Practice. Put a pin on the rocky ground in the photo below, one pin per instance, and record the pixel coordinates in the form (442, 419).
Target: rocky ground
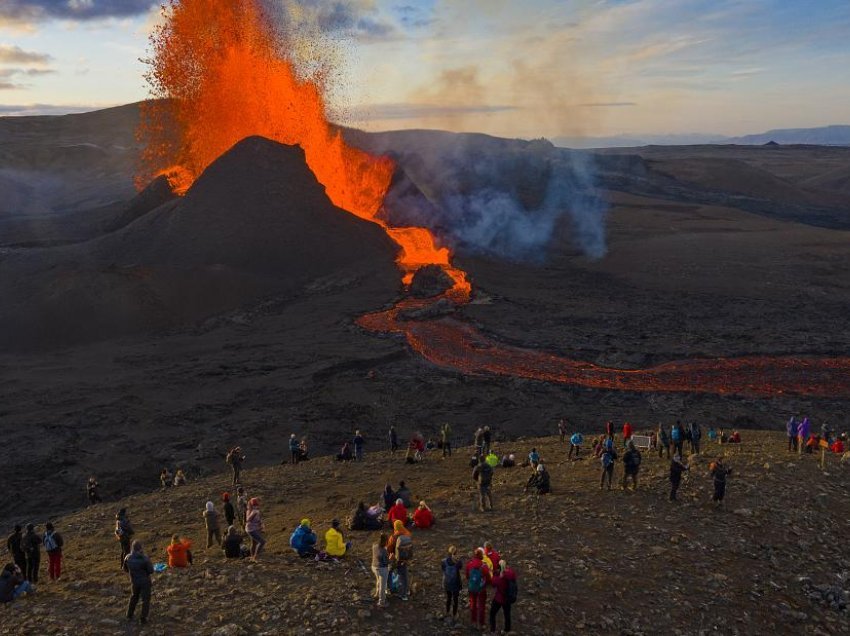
(774, 559)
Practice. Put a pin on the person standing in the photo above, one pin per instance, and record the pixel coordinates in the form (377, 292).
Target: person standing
(719, 473)
(627, 432)
(32, 549)
(483, 475)
(229, 511)
(446, 439)
(451, 567)
(562, 429)
(15, 546)
(254, 528)
(53, 543)
(576, 440)
(93, 491)
(609, 429)
(139, 568)
(293, 449)
(791, 432)
(609, 456)
(211, 524)
(505, 584)
(803, 430)
(677, 468)
(663, 442)
(631, 464)
(124, 533)
(677, 434)
(488, 440)
(381, 570)
(393, 440)
(477, 578)
(241, 504)
(358, 442)
(235, 459)
(696, 435)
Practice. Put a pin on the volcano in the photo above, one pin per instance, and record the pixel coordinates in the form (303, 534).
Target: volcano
(255, 224)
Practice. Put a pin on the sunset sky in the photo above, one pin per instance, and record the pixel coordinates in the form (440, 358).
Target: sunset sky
(525, 68)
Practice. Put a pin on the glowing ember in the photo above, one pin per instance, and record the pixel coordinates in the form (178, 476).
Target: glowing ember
(222, 74)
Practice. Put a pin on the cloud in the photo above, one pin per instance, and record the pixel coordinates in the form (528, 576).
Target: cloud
(11, 54)
(607, 104)
(19, 110)
(39, 10)
(361, 19)
(379, 112)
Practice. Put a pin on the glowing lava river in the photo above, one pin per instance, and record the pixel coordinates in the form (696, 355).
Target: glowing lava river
(222, 71)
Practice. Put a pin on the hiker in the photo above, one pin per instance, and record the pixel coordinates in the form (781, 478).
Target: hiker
(504, 582)
(293, 449)
(483, 475)
(180, 478)
(393, 440)
(13, 584)
(477, 578)
(803, 430)
(509, 461)
(488, 440)
(609, 429)
(562, 429)
(791, 432)
(335, 544)
(211, 524)
(93, 491)
(303, 451)
(735, 438)
(139, 568)
(398, 512)
(345, 455)
(179, 552)
(32, 550)
(254, 528)
(533, 458)
(491, 554)
(232, 544)
(15, 546)
(677, 435)
(837, 446)
(479, 441)
(598, 447)
(451, 567)
(631, 464)
(53, 543)
(663, 442)
(235, 458)
(360, 519)
(165, 479)
(423, 517)
(123, 533)
(358, 442)
(388, 496)
(303, 540)
(404, 494)
(721, 438)
(677, 468)
(696, 435)
(492, 459)
(826, 432)
(241, 504)
(609, 456)
(446, 439)
(381, 570)
(712, 435)
(627, 433)
(400, 549)
(539, 481)
(576, 440)
(415, 449)
(719, 472)
(229, 510)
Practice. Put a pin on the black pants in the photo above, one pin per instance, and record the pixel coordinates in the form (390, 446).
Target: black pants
(678, 447)
(236, 471)
(792, 443)
(662, 448)
(575, 448)
(125, 549)
(451, 602)
(213, 533)
(447, 449)
(33, 561)
(20, 560)
(719, 491)
(608, 472)
(143, 590)
(674, 487)
(494, 610)
(695, 446)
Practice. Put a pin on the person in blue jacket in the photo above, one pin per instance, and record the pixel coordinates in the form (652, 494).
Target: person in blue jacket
(303, 539)
(575, 444)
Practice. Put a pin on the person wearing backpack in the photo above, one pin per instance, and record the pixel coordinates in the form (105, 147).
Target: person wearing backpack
(477, 578)
(677, 434)
(696, 436)
(483, 474)
(609, 456)
(123, 533)
(631, 464)
(235, 459)
(211, 525)
(32, 548)
(504, 582)
(53, 546)
(381, 569)
(576, 440)
(451, 567)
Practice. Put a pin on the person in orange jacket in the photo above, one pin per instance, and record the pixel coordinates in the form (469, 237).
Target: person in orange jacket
(397, 513)
(627, 432)
(179, 552)
(422, 516)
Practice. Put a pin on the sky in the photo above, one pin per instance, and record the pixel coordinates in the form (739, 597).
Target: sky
(517, 68)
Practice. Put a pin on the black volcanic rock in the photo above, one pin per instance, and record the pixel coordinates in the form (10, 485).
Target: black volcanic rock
(430, 281)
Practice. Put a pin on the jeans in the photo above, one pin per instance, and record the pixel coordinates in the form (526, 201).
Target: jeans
(23, 588)
(451, 602)
(477, 606)
(143, 590)
(401, 568)
(33, 561)
(447, 449)
(257, 543)
(494, 610)
(125, 548)
(381, 575)
(485, 496)
(607, 472)
(54, 564)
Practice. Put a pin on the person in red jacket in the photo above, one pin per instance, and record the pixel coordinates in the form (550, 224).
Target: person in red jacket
(837, 446)
(397, 513)
(505, 584)
(491, 553)
(477, 579)
(627, 432)
(422, 516)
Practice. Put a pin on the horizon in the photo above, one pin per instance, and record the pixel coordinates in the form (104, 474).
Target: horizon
(636, 68)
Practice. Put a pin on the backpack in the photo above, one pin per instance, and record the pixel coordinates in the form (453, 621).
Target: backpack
(394, 583)
(229, 458)
(511, 592)
(476, 580)
(608, 458)
(450, 574)
(404, 548)
(50, 542)
(676, 434)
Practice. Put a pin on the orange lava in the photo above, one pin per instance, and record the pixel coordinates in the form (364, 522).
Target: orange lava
(221, 73)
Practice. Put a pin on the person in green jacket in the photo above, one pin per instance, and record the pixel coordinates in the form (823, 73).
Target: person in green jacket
(446, 439)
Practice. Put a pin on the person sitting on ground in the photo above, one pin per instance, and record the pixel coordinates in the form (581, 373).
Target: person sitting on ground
(211, 525)
(12, 584)
(712, 434)
(229, 510)
(360, 519)
(430, 445)
(539, 481)
(735, 438)
(492, 459)
(398, 512)
(509, 461)
(179, 478)
(179, 552)
(404, 494)
(576, 440)
(232, 544)
(423, 517)
(335, 544)
(837, 446)
(388, 496)
(165, 479)
(533, 458)
(722, 437)
(345, 455)
(303, 540)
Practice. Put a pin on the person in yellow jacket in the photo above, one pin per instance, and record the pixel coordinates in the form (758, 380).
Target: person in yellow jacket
(335, 544)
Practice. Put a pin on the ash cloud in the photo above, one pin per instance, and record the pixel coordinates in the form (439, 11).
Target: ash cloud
(37, 10)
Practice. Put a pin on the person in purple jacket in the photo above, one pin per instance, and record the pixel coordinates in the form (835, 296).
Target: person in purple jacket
(803, 430)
